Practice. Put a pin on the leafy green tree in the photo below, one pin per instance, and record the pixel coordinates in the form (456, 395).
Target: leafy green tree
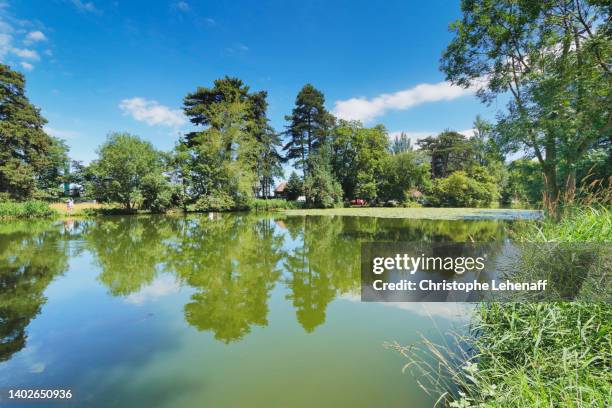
(593, 169)
(486, 149)
(308, 128)
(123, 162)
(449, 151)
(179, 169)
(357, 158)
(30, 159)
(461, 190)
(401, 144)
(223, 156)
(403, 172)
(204, 106)
(553, 58)
(320, 187)
(156, 193)
(295, 187)
(525, 182)
(269, 163)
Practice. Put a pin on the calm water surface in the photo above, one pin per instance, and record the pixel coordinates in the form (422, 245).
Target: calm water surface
(238, 310)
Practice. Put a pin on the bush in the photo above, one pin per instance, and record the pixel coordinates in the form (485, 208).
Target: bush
(460, 190)
(322, 190)
(295, 187)
(274, 204)
(156, 193)
(217, 201)
(26, 209)
(525, 183)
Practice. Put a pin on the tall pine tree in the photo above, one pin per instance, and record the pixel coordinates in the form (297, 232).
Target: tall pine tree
(228, 152)
(30, 159)
(309, 125)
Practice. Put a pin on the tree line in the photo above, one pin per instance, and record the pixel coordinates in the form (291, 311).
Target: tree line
(552, 58)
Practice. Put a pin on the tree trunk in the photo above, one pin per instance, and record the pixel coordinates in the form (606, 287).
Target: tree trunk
(551, 190)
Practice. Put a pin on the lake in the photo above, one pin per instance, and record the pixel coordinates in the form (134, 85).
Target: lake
(227, 310)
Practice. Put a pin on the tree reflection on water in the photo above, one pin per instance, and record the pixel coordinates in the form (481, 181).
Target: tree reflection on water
(232, 262)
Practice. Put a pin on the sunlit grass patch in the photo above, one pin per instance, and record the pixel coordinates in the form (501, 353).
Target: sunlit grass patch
(26, 209)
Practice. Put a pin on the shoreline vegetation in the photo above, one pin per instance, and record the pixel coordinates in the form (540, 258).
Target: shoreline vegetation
(40, 209)
(528, 353)
(426, 213)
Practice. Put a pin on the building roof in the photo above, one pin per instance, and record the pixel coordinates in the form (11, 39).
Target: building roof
(281, 187)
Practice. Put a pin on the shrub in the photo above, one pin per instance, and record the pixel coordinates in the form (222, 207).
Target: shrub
(274, 204)
(460, 190)
(156, 193)
(26, 209)
(322, 190)
(525, 182)
(217, 201)
(295, 187)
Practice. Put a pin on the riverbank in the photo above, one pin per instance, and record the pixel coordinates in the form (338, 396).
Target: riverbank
(39, 209)
(425, 213)
(26, 209)
(529, 354)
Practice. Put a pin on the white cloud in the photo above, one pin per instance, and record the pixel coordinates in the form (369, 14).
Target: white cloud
(162, 286)
(183, 6)
(62, 134)
(151, 112)
(5, 27)
(27, 66)
(26, 53)
(5, 44)
(365, 110)
(237, 48)
(467, 132)
(210, 21)
(450, 311)
(87, 6)
(35, 36)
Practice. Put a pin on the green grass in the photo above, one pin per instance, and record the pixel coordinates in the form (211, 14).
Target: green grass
(577, 224)
(26, 209)
(528, 354)
(422, 213)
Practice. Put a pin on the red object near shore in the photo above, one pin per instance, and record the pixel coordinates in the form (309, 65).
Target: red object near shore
(358, 201)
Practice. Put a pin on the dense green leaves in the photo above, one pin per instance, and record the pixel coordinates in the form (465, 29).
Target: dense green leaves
(30, 160)
(357, 159)
(295, 187)
(461, 190)
(308, 128)
(553, 57)
(320, 187)
(449, 151)
(124, 162)
(222, 163)
(404, 175)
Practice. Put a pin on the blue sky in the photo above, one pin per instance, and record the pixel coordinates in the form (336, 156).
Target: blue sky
(98, 66)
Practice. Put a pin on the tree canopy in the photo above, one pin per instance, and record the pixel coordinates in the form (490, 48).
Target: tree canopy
(31, 161)
(124, 162)
(308, 127)
(553, 58)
